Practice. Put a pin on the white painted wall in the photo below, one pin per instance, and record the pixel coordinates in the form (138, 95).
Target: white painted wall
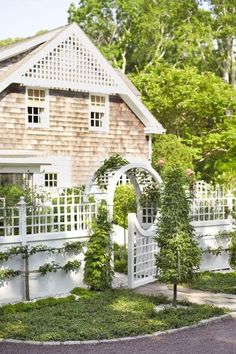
(51, 284)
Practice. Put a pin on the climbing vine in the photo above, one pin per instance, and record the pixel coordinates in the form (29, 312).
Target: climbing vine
(112, 163)
(98, 273)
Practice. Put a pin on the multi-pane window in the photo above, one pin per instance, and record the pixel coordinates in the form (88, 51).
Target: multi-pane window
(50, 180)
(37, 108)
(18, 179)
(98, 115)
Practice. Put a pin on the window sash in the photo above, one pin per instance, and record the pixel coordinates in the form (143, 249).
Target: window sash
(37, 107)
(98, 112)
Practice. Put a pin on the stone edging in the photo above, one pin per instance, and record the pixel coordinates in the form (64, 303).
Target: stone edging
(156, 334)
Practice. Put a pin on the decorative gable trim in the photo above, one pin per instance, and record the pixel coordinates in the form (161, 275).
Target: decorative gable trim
(71, 61)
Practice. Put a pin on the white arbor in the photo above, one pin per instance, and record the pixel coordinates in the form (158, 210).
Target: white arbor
(141, 244)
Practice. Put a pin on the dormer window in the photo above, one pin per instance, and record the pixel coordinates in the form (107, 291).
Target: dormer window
(37, 114)
(98, 113)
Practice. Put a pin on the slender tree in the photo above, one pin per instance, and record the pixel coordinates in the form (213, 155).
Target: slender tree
(179, 255)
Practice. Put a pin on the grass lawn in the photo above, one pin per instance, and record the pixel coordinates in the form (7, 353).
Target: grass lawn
(215, 282)
(108, 314)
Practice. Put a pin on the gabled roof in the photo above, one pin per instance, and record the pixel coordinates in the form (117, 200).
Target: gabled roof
(65, 58)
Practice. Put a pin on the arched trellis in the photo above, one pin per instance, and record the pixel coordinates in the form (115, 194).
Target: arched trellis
(113, 178)
(142, 246)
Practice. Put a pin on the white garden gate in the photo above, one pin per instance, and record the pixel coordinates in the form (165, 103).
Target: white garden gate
(142, 250)
(141, 244)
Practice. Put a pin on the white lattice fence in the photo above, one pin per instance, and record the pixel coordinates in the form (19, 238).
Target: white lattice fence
(57, 218)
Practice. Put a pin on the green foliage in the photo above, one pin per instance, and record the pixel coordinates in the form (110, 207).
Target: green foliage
(25, 252)
(168, 31)
(108, 314)
(232, 250)
(124, 203)
(8, 273)
(169, 152)
(12, 194)
(98, 273)
(73, 247)
(83, 293)
(72, 266)
(114, 162)
(9, 41)
(195, 107)
(120, 259)
(179, 256)
(49, 267)
(214, 282)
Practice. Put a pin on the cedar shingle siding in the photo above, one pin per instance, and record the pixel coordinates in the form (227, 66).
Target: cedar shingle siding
(68, 133)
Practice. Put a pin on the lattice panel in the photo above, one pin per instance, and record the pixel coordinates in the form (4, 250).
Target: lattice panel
(209, 209)
(9, 222)
(72, 62)
(145, 249)
(59, 218)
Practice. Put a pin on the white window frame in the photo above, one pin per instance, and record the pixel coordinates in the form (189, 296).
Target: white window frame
(45, 105)
(53, 179)
(105, 110)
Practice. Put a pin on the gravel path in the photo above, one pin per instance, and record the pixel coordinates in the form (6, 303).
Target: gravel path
(215, 338)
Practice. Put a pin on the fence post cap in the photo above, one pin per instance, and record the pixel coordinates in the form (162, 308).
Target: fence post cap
(22, 201)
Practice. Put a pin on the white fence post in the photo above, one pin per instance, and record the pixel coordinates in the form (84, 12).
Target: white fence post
(131, 250)
(22, 220)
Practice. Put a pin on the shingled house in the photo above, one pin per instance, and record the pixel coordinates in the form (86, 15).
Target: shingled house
(63, 109)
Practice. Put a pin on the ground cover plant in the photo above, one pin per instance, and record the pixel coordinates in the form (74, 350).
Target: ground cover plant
(96, 315)
(215, 282)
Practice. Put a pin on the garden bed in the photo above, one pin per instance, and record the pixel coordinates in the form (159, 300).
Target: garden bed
(215, 282)
(105, 315)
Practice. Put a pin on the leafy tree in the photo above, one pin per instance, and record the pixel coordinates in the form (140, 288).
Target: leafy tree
(223, 24)
(199, 109)
(169, 152)
(179, 255)
(110, 24)
(175, 32)
(98, 273)
(186, 102)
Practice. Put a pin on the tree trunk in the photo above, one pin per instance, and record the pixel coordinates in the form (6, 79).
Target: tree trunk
(27, 291)
(175, 294)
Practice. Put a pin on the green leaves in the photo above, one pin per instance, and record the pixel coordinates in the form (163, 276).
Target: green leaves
(98, 273)
(114, 162)
(124, 203)
(179, 255)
